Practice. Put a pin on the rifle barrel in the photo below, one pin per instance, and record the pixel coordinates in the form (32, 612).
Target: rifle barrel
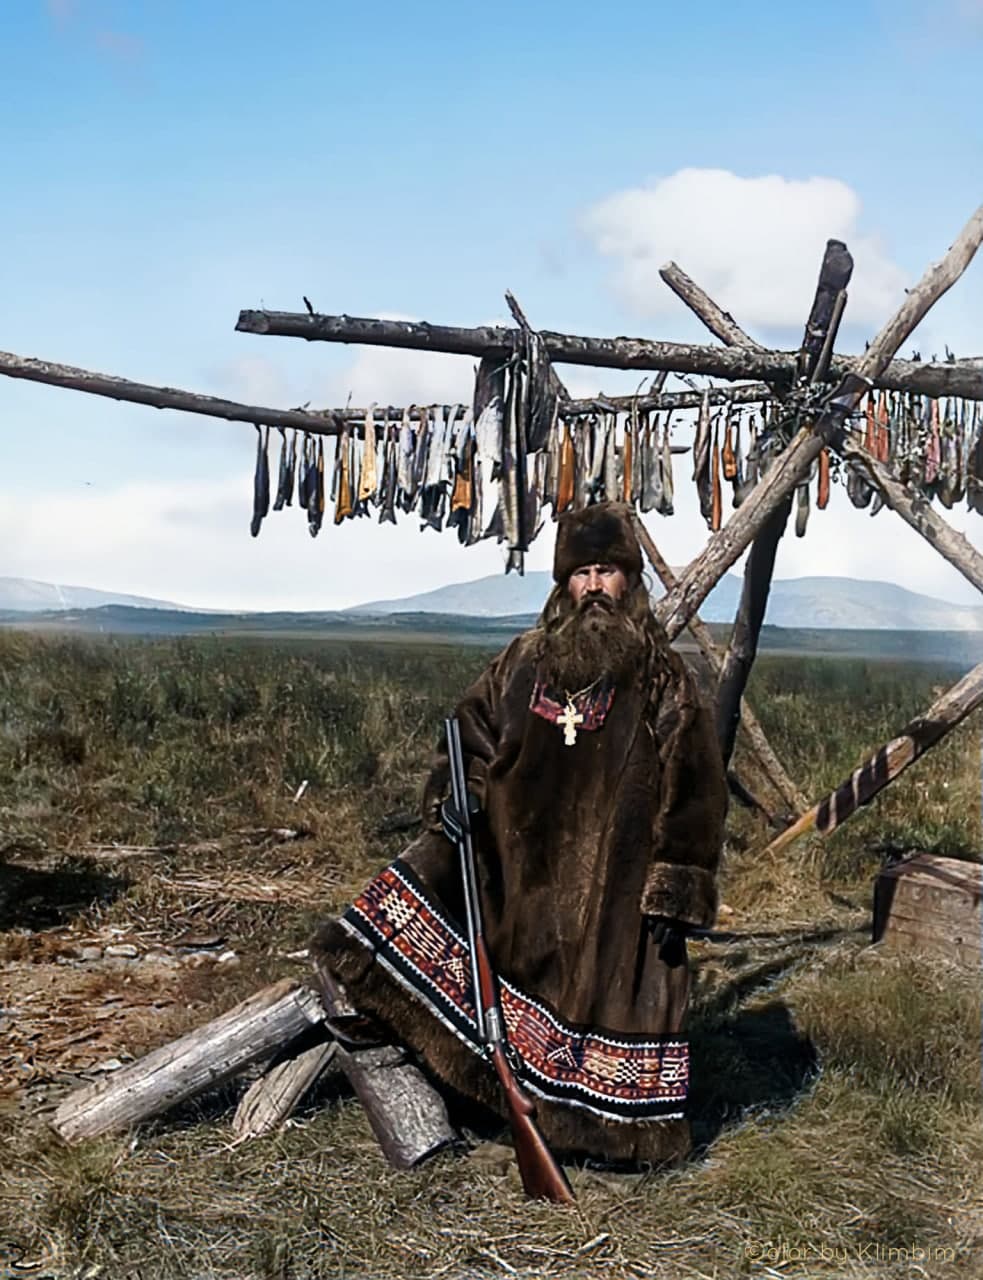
(472, 907)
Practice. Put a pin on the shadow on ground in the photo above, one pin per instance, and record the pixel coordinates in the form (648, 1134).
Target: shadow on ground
(757, 1060)
(37, 898)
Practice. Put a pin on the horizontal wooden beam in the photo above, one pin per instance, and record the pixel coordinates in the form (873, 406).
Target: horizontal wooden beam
(104, 384)
(958, 378)
(753, 393)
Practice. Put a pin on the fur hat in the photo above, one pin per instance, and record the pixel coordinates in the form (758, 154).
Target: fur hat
(599, 534)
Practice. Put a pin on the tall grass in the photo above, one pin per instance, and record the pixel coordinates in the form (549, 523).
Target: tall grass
(836, 1089)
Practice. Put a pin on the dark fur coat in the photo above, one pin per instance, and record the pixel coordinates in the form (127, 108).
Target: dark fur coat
(575, 845)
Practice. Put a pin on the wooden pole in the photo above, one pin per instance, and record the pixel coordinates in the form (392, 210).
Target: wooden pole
(793, 464)
(818, 338)
(198, 1061)
(104, 384)
(324, 422)
(959, 378)
(889, 761)
(753, 393)
(768, 761)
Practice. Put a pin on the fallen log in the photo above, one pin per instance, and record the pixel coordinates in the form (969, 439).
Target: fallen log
(203, 1058)
(407, 1114)
(888, 762)
(958, 378)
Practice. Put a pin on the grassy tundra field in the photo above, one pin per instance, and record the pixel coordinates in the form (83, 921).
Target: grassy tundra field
(144, 790)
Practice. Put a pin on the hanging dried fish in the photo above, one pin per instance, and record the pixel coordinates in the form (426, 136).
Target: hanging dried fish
(261, 481)
(315, 508)
(801, 509)
(343, 505)
(748, 483)
(651, 464)
(959, 452)
(727, 459)
(404, 463)
(390, 476)
(488, 432)
(553, 462)
(582, 445)
(716, 499)
(513, 490)
(822, 493)
(948, 467)
(933, 448)
(857, 489)
(368, 480)
(611, 488)
(974, 465)
(738, 477)
(701, 459)
(421, 454)
(665, 470)
(628, 454)
(283, 473)
(567, 476)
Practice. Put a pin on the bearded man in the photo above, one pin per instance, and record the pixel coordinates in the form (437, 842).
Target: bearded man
(601, 794)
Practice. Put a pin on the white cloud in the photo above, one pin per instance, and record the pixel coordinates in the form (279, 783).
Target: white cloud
(391, 375)
(754, 244)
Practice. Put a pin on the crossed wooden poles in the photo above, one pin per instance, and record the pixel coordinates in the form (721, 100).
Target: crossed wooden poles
(758, 522)
(760, 515)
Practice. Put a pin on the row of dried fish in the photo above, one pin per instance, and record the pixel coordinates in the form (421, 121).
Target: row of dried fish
(454, 471)
(474, 473)
(933, 446)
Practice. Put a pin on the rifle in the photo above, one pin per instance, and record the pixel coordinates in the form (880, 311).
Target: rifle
(542, 1177)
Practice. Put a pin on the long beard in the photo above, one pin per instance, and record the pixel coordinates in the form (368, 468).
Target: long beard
(594, 638)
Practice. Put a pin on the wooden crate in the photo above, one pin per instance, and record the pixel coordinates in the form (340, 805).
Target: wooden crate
(932, 906)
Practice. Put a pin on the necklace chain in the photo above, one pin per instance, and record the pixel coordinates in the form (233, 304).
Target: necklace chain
(586, 689)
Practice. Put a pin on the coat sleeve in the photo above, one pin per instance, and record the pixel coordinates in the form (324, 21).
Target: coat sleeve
(689, 826)
(478, 716)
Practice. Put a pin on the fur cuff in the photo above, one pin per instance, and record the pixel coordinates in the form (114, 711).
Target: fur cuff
(681, 893)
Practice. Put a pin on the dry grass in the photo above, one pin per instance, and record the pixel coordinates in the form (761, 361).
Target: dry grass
(836, 1091)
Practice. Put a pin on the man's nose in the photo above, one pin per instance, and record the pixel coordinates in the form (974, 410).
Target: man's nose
(594, 582)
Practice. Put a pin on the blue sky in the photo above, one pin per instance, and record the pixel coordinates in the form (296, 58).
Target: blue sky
(167, 163)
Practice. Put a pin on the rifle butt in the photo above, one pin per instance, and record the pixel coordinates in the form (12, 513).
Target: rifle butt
(542, 1178)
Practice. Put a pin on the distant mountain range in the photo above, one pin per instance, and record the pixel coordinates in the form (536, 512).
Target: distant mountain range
(797, 603)
(813, 603)
(25, 594)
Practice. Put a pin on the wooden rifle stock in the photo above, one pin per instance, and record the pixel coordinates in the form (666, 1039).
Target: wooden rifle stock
(542, 1177)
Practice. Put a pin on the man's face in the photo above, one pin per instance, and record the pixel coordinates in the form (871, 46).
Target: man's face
(592, 578)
